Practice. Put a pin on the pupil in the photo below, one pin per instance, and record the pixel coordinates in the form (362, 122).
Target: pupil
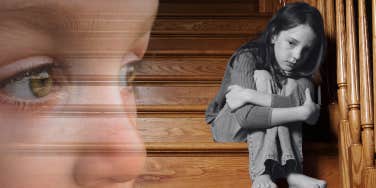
(41, 84)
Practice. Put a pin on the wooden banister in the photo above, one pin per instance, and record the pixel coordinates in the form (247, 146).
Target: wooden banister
(366, 98)
(341, 60)
(374, 58)
(344, 133)
(356, 150)
(353, 74)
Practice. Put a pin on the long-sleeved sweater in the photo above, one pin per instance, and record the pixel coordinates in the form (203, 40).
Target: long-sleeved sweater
(239, 71)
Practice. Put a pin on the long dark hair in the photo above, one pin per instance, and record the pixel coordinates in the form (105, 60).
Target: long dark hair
(288, 17)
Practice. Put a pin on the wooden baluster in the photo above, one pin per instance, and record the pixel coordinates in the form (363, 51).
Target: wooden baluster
(344, 132)
(374, 57)
(353, 97)
(341, 59)
(366, 100)
(353, 74)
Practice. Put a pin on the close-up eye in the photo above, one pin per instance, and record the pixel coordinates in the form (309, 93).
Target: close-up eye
(31, 81)
(128, 73)
(291, 43)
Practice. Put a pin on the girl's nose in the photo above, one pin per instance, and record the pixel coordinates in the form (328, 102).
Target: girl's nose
(112, 151)
(297, 53)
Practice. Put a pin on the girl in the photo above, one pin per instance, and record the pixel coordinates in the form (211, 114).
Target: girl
(265, 96)
(49, 135)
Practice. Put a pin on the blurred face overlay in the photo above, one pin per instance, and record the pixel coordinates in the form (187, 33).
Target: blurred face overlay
(67, 110)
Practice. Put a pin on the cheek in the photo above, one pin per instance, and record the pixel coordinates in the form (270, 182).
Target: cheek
(34, 170)
(279, 55)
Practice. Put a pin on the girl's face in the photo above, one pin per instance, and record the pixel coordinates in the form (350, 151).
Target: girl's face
(67, 116)
(292, 46)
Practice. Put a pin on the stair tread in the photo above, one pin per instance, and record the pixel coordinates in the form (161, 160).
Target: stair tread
(208, 147)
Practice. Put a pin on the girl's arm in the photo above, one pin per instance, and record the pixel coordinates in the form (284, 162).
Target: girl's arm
(251, 116)
(309, 112)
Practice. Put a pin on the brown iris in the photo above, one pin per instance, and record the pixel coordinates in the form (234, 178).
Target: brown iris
(41, 84)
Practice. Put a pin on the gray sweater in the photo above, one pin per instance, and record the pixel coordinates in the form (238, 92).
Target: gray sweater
(240, 71)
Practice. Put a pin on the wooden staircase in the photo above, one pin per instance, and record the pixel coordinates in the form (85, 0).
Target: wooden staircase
(181, 72)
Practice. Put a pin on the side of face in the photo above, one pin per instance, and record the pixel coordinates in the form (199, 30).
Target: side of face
(60, 66)
(292, 46)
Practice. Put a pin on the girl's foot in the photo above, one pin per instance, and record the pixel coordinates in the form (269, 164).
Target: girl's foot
(302, 181)
(263, 181)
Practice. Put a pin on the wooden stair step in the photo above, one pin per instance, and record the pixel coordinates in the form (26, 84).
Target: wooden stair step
(181, 68)
(187, 165)
(207, 7)
(174, 130)
(175, 95)
(191, 45)
(194, 171)
(204, 26)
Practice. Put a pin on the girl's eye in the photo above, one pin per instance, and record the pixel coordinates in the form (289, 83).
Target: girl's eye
(291, 43)
(29, 85)
(34, 82)
(128, 74)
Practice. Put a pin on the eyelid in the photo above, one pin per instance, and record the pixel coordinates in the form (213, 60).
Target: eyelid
(292, 40)
(23, 65)
(128, 67)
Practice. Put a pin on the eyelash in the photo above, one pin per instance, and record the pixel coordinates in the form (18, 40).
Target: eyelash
(53, 95)
(291, 43)
(128, 73)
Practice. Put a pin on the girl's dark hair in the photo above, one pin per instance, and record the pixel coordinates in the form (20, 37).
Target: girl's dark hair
(288, 17)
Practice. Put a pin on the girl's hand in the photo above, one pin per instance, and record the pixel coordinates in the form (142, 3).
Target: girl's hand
(237, 96)
(311, 110)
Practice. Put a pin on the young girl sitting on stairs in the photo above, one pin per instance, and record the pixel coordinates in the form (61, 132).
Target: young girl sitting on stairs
(265, 96)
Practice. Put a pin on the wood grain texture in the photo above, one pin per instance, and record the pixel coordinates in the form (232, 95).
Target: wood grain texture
(344, 142)
(270, 6)
(160, 95)
(182, 130)
(341, 59)
(366, 97)
(221, 8)
(369, 178)
(199, 26)
(199, 171)
(373, 10)
(169, 169)
(181, 68)
(195, 45)
(353, 74)
(356, 168)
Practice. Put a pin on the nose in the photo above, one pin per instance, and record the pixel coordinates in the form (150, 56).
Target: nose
(297, 52)
(116, 152)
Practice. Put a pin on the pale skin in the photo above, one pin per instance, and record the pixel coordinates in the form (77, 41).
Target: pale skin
(288, 54)
(78, 39)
